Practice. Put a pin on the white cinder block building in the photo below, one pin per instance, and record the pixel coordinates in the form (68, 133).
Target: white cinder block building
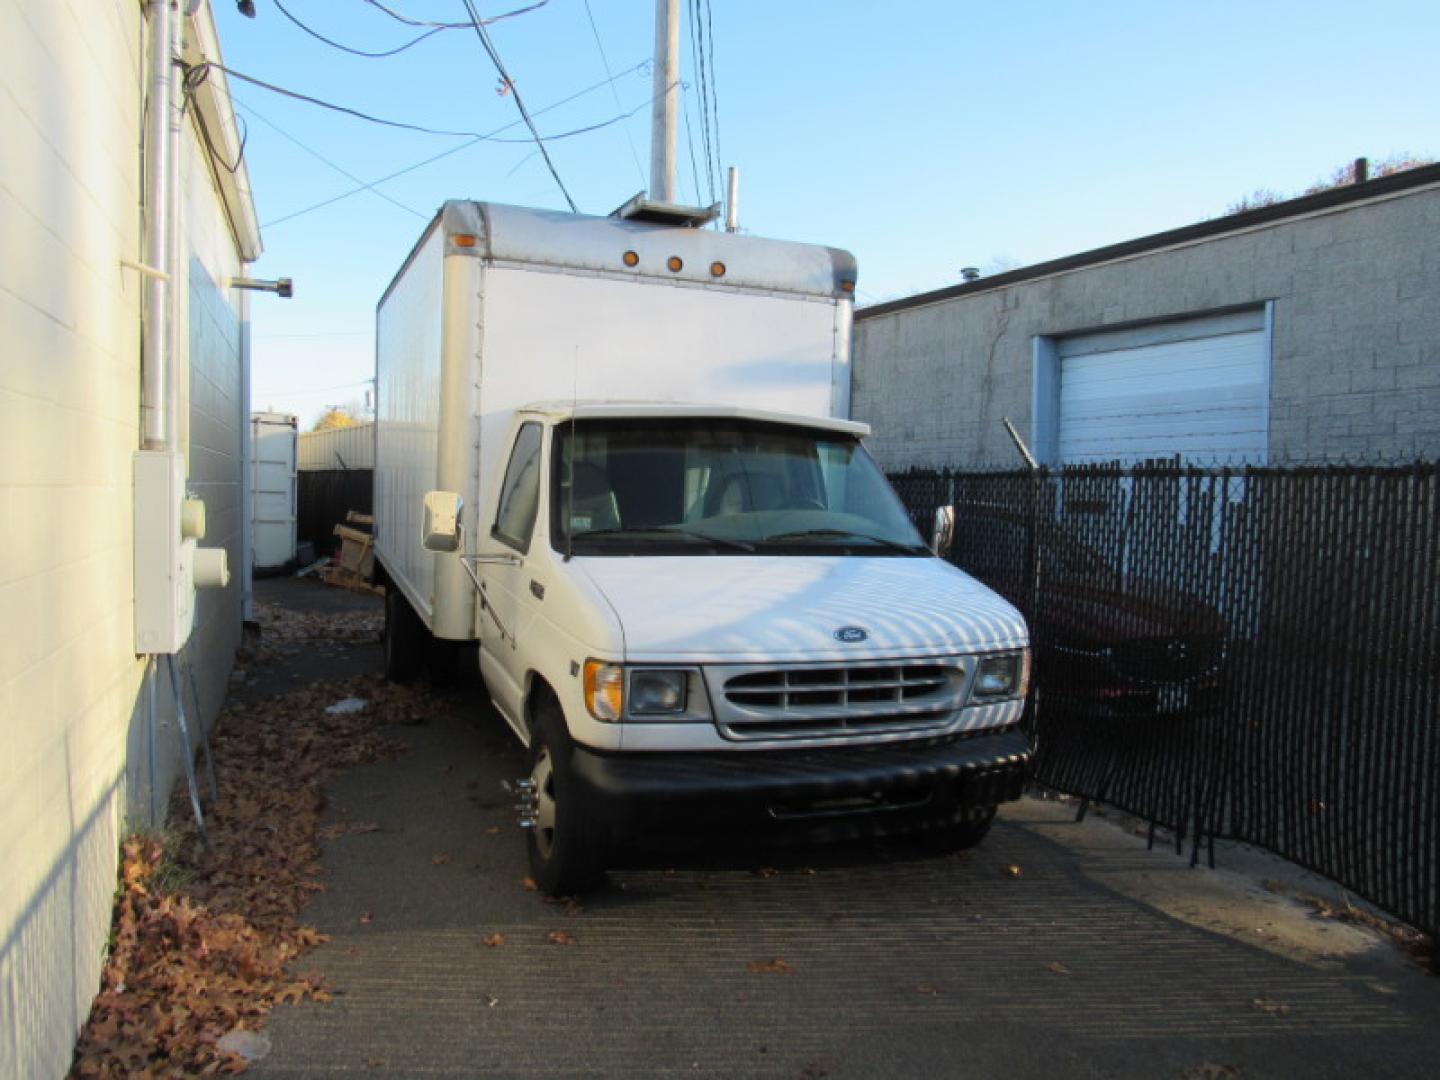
(87, 759)
(1300, 332)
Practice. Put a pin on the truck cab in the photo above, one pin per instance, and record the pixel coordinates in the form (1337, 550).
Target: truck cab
(699, 616)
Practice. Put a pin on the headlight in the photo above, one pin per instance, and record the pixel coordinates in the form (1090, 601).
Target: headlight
(604, 690)
(656, 693)
(1001, 676)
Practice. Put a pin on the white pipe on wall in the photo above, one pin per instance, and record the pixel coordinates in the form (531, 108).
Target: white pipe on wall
(177, 343)
(155, 357)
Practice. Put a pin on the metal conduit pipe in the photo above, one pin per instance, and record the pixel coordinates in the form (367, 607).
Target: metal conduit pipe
(154, 354)
(176, 345)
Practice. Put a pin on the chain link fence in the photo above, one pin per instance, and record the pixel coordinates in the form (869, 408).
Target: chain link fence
(1241, 653)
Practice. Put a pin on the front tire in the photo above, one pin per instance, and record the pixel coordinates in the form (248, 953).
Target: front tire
(404, 638)
(567, 850)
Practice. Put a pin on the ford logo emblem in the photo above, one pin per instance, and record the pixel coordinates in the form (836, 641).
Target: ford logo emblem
(851, 635)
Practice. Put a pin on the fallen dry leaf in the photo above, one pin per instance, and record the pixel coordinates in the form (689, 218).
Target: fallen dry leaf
(494, 830)
(494, 941)
(930, 989)
(1057, 967)
(1014, 871)
(190, 961)
(529, 884)
(560, 937)
(1271, 1006)
(366, 918)
(364, 827)
(439, 860)
(770, 967)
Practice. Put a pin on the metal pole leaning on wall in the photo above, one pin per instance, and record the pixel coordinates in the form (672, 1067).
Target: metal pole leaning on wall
(204, 736)
(189, 750)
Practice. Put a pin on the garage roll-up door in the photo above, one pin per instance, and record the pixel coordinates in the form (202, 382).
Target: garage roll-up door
(1197, 388)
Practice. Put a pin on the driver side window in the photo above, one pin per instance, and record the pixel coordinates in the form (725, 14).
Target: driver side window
(520, 494)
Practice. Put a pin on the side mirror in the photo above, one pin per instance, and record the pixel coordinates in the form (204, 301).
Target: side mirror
(440, 525)
(942, 533)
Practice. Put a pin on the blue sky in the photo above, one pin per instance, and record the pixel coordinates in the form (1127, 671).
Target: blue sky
(922, 135)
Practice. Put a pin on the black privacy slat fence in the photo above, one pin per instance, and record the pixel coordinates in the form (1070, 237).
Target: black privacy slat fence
(1240, 653)
(323, 497)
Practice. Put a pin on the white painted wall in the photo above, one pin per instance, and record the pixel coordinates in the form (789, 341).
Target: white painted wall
(74, 776)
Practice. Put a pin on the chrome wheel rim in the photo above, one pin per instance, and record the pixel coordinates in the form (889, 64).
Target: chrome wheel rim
(543, 776)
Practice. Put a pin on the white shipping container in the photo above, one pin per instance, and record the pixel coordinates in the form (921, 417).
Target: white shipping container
(272, 488)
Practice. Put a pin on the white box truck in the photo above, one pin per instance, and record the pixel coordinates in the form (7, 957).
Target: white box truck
(615, 454)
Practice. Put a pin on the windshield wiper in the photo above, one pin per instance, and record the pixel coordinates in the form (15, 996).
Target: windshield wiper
(846, 534)
(723, 541)
(664, 530)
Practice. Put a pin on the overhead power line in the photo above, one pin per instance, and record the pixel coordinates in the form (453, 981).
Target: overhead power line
(408, 21)
(714, 88)
(697, 53)
(322, 158)
(642, 67)
(605, 63)
(331, 105)
(509, 84)
(358, 52)
(690, 141)
(473, 136)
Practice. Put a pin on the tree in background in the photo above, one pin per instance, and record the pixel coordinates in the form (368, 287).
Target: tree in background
(1342, 176)
(337, 416)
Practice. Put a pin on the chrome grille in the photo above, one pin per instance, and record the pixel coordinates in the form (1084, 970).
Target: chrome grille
(825, 700)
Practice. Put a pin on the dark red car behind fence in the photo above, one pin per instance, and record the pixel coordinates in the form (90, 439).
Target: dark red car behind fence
(1247, 653)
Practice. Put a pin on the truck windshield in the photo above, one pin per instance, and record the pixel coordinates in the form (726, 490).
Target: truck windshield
(682, 486)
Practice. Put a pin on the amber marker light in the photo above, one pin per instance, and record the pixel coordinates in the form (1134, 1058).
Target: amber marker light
(675, 263)
(630, 258)
(463, 240)
(717, 269)
(847, 286)
(604, 690)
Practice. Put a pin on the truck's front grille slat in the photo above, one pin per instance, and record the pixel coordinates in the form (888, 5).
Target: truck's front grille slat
(826, 700)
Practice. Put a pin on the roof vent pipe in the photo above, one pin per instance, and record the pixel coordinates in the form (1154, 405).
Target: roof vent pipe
(732, 201)
(1362, 170)
(969, 273)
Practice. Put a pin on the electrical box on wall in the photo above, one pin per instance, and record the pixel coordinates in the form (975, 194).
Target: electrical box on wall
(169, 565)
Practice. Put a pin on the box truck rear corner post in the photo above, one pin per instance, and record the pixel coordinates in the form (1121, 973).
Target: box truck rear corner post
(615, 456)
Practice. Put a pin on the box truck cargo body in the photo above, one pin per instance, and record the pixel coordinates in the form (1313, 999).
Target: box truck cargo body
(616, 455)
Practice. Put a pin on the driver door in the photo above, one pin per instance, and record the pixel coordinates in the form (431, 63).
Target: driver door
(505, 598)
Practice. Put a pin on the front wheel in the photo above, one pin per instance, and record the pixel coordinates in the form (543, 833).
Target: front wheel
(566, 849)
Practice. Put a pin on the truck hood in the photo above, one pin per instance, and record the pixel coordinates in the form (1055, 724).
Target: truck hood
(789, 608)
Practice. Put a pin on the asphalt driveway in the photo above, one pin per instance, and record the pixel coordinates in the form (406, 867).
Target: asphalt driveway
(1057, 949)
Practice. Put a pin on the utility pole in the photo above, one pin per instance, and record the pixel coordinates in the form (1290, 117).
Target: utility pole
(666, 105)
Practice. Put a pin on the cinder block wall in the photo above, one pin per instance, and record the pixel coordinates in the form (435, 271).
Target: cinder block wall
(1356, 361)
(75, 772)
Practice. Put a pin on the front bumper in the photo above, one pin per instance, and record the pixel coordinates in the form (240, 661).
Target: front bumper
(830, 793)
